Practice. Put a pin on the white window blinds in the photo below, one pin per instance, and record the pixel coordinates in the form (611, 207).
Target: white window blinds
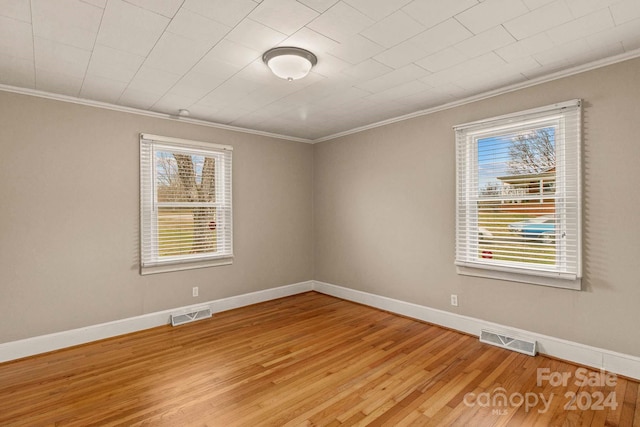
(518, 195)
(186, 210)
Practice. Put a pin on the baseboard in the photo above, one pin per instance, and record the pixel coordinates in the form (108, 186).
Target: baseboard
(594, 357)
(598, 358)
(45, 343)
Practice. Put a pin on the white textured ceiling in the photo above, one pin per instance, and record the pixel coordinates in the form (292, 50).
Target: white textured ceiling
(377, 59)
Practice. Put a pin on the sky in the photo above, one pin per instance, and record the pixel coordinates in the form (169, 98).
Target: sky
(493, 157)
(165, 158)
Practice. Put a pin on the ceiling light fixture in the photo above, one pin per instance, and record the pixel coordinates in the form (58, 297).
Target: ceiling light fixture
(183, 112)
(289, 63)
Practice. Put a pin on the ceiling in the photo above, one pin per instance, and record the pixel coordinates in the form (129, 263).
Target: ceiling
(377, 59)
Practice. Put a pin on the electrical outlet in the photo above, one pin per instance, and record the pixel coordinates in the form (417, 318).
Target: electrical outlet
(454, 300)
(194, 291)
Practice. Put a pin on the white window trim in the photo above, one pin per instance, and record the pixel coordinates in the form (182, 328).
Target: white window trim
(147, 174)
(524, 273)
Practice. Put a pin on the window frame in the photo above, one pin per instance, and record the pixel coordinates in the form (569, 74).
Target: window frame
(150, 261)
(564, 274)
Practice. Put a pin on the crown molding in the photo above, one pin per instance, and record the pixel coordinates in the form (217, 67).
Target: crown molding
(492, 93)
(121, 108)
(479, 97)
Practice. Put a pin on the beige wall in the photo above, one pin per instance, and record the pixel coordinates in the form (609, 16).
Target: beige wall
(381, 218)
(384, 203)
(69, 217)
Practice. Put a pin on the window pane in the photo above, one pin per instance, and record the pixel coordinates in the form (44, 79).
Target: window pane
(185, 200)
(184, 177)
(185, 231)
(516, 196)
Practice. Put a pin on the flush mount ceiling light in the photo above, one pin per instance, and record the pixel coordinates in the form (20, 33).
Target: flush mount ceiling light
(289, 63)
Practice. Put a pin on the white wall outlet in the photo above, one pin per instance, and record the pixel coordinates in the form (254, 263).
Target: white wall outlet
(454, 300)
(194, 291)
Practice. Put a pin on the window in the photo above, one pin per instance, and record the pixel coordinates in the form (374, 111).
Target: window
(186, 215)
(518, 196)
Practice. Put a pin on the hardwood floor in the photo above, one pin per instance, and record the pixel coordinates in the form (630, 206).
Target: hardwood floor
(308, 359)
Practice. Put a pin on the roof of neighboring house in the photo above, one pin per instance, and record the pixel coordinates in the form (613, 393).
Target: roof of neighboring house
(549, 173)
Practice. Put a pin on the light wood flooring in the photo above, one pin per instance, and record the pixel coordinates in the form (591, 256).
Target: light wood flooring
(308, 359)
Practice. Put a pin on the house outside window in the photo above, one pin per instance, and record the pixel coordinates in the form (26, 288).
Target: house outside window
(186, 210)
(518, 196)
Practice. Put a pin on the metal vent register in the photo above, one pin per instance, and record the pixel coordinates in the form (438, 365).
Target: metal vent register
(181, 319)
(510, 343)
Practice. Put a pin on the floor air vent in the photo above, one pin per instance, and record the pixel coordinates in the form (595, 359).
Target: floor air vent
(510, 343)
(181, 319)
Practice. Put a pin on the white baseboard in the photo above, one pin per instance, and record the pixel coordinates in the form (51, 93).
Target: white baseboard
(594, 357)
(598, 358)
(45, 343)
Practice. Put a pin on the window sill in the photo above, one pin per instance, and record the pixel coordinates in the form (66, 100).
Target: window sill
(511, 276)
(166, 268)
